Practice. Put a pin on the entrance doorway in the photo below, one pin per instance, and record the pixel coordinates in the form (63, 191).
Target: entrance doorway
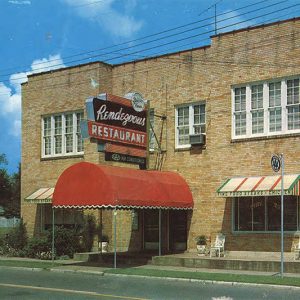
(151, 229)
(173, 230)
(178, 230)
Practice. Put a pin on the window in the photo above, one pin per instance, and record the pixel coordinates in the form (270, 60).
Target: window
(267, 108)
(275, 106)
(293, 104)
(190, 119)
(65, 217)
(257, 110)
(240, 111)
(61, 135)
(263, 213)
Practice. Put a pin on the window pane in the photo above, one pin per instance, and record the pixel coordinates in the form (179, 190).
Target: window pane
(199, 119)
(69, 123)
(293, 91)
(293, 117)
(290, 213)
(183, 125)
(199, 129)
(258, 121)
(183, 135)
(257, 96)
(258, 206)
(240, 99)
(240, 123)
(243, 214)
(47, 145)
(47, 135)
(274, 94)
(47, 126)
(275, 119)
(58, 134)
(69, 133)
(58, 144)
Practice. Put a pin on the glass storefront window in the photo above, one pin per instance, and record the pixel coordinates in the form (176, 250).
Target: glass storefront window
(264, 213)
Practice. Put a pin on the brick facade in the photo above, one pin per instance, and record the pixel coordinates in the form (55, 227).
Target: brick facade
(245, 56)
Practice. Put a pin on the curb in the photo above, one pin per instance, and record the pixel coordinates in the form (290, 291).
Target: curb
(23, 268)
(101, 273)
(212, 282)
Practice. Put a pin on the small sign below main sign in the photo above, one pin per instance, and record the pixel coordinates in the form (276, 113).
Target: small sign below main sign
(118, 157)
(275, 163)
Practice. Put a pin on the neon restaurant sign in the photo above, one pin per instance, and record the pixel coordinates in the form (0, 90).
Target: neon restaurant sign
(119, 126)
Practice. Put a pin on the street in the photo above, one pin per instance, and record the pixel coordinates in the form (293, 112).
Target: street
(28, 284)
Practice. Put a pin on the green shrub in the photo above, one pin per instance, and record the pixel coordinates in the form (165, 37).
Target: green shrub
(66, 241)
(39, 247)
(14, 241)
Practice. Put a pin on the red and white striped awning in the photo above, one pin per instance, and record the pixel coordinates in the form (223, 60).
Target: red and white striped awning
(42, 195)
(260, 186)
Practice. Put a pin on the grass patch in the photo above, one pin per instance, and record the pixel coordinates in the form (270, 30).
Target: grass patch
(28, 264)
(260, 279)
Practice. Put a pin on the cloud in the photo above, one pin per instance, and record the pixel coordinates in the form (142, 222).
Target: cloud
(232, 21)
(102, 12)
(54, 62)
(10, 94)
(20, 2)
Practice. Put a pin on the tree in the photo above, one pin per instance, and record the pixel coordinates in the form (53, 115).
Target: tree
(10, 185)
(14, 205)
(5, 188)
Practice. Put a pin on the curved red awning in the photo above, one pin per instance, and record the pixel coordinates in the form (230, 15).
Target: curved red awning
(86, 185)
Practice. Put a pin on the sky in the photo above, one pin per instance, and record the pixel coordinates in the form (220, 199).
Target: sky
(41, 35)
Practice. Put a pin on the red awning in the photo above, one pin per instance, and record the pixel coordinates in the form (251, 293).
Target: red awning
(86, 185)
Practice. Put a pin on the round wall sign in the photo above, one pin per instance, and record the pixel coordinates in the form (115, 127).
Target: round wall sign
(275, 163)
(138, 102)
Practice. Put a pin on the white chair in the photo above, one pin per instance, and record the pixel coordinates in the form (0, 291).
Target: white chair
(218, 246)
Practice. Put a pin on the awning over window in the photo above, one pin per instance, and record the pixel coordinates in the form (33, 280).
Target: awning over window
(259, 186)
(86, 185)
(42, 195)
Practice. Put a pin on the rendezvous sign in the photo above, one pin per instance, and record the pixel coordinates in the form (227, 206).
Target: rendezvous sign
(120, 127)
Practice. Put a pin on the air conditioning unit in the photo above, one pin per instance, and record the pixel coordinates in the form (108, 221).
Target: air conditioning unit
(197, 139)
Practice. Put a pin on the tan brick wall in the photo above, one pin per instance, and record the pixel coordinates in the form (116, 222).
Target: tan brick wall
(206, 74)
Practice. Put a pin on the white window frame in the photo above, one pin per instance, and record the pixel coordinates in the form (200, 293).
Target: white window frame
(266, 110)
(63, 120)
(191, 122)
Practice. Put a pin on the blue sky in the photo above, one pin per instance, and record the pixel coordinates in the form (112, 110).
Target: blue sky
(39, 35)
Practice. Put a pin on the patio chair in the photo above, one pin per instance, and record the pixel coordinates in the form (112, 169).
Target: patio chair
(218, 246)
(297, 249)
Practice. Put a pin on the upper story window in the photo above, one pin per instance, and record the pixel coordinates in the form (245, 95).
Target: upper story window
(190, 119)
(61, 134)
(267, 108)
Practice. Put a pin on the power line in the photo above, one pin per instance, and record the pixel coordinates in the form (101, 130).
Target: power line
(197, 35)
(207, 60)
(183, 39)
(179, 62)
(125, 54)
(145, 37)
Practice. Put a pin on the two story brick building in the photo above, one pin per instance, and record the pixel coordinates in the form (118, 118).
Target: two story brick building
(241, 95)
